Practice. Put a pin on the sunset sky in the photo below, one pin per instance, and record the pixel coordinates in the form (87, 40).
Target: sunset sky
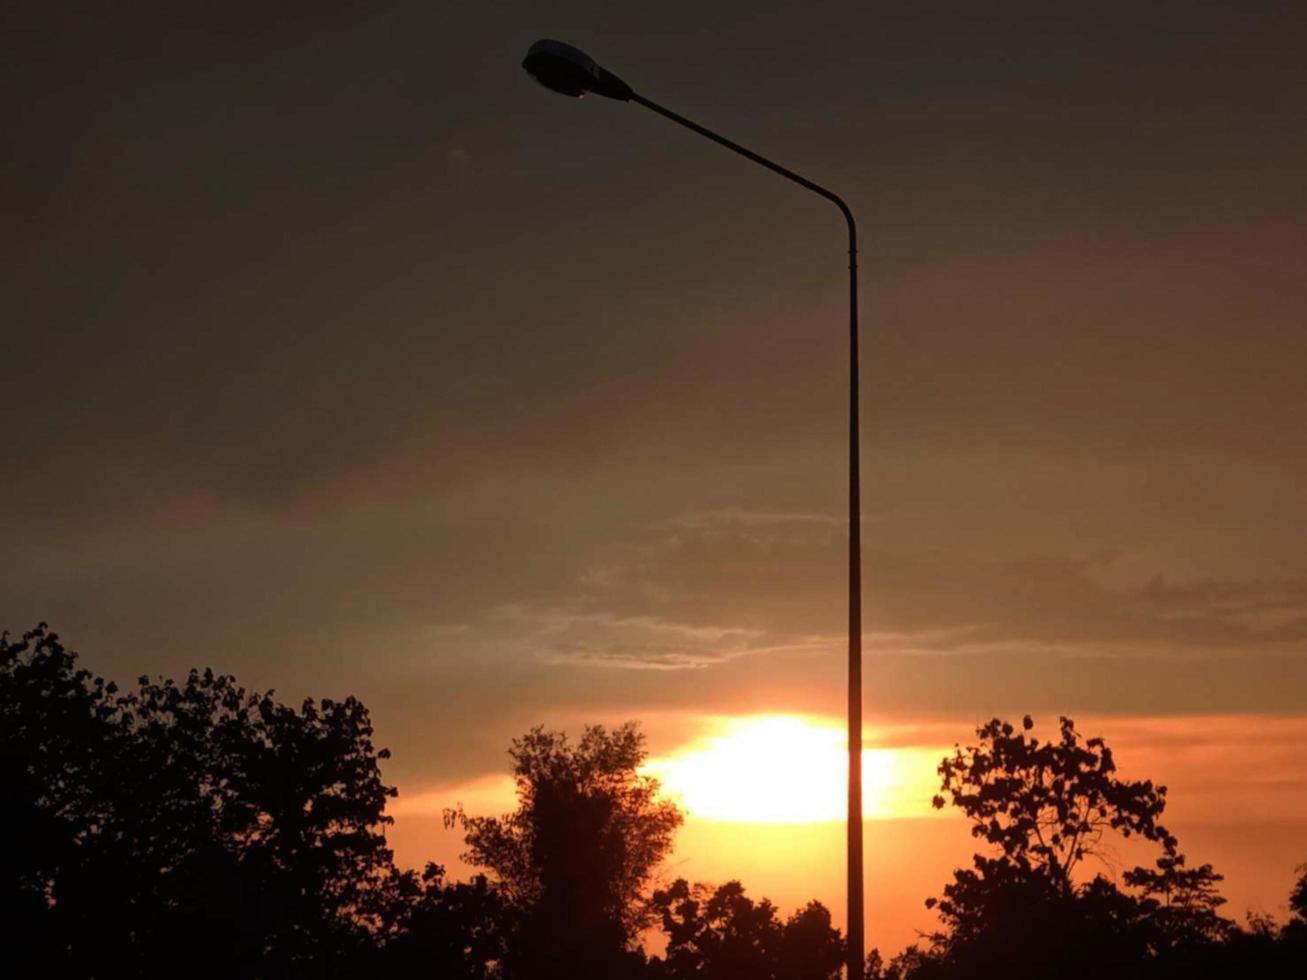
(342, 357)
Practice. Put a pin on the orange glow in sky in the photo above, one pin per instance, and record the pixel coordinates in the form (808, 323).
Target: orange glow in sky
(764, 796)
(790, 769)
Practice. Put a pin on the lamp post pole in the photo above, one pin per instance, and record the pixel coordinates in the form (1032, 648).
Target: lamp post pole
(568, 71)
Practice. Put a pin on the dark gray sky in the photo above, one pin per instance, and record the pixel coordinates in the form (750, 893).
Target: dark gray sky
(339, 355)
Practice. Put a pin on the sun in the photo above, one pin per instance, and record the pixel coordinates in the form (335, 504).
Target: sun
(785, 769)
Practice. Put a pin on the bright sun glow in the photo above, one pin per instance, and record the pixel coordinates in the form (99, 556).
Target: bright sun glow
(790, 769)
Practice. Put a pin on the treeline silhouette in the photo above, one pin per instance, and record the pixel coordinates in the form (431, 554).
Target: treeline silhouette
(197, 829)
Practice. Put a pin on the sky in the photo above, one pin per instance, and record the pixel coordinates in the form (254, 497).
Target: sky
(340, 356)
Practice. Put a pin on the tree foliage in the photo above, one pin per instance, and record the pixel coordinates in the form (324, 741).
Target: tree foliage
(721, 934)
(1298, 897)
(55, 722)
(577, 855)
(1044, 808)
(182, 816)
(1179, 904)
(194, 828)
(450, 930)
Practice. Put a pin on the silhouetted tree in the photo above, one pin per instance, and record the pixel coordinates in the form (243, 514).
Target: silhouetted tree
(1298, 897)
(576, 856)
(722, 934)
(911, 962)
(1293, 938)
(1261, 949)
(1044, 807)
(1179, 904)
(197, 829)
(187, 817)
(57, 724)
(811, 948)
(453, 931)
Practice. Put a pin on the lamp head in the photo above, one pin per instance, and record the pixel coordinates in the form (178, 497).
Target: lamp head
(570, 71)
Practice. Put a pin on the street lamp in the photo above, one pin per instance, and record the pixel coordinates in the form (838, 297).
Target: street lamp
(569, 71)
